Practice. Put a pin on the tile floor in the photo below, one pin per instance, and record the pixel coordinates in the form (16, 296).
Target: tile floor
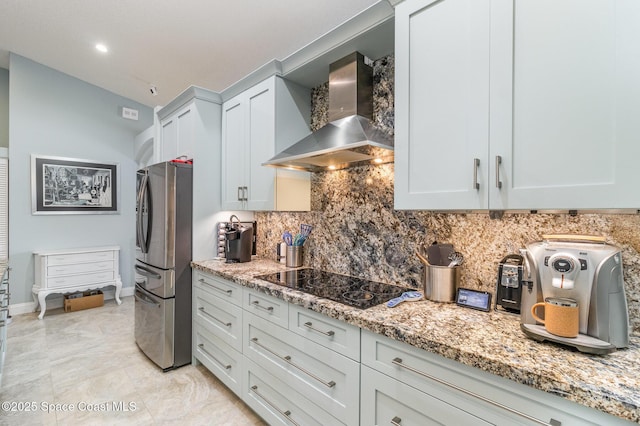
(88, 358)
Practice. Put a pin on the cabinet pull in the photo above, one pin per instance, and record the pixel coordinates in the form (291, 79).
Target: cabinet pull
(476, 164)
(227, 292)
(239, 193)
(287, 413)
(396, 421)
(398, 361)
(287, 359)
(310, 326)
(498, 162)
(2, 323)
(257, 304)
(223, 365)
(226, 324)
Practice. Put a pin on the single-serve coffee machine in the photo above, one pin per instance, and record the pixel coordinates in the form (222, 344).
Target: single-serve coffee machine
(511, 272)
(569, 272)
(238, 241)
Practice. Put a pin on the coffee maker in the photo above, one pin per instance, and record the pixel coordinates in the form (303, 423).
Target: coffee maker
(238, 241)
(588, 271)
(510, 281)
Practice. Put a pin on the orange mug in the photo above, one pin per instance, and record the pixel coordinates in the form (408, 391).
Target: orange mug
(561, 316)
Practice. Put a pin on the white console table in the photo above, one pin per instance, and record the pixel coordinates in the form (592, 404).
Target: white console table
(73, 270)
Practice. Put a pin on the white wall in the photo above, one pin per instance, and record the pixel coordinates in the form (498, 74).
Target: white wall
(54, 114)
(4, 108)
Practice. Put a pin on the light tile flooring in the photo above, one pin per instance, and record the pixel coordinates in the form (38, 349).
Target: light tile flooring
(88, 358)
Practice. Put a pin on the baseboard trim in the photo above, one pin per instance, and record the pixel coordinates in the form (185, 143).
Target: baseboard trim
(56, 301)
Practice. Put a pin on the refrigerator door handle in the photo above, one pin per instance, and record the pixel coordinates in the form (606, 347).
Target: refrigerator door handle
(147, 272)
(142, 239)
(147, 302)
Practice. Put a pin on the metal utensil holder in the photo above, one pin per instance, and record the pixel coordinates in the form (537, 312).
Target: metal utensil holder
(294, 256)
(441, 282)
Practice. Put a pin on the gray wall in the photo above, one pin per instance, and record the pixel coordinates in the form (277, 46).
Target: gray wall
(53, 114)
(4, 108)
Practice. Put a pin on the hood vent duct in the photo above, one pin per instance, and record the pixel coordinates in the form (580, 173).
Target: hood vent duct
(351, 138)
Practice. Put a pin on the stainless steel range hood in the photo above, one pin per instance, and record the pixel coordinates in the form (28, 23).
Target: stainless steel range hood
(351, 138)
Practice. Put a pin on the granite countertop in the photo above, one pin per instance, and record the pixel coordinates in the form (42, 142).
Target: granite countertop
(492, 342)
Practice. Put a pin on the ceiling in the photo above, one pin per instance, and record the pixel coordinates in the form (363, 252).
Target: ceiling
(164, 43)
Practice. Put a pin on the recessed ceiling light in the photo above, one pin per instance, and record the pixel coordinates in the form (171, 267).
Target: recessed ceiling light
(102, 48)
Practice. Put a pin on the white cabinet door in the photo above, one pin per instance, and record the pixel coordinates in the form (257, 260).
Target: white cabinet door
(442, 104)
(261, 180)
(178, 134)
(233, 153)
(544, 95)
(169, 139)
(565, 104)
(186, 132)
(270, 114)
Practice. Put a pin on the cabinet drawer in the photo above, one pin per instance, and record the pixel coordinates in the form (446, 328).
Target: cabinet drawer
(221, 359)
(81, 279)
(78, 268)
(220, 317)
(277, 403)
(388, 401)
(267, 307)
(227, 290)
(330, 380)
(333, 334)
(494, 399)
(66, 259)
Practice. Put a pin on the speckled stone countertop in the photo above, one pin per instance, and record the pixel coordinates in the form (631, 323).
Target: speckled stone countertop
(492, 342)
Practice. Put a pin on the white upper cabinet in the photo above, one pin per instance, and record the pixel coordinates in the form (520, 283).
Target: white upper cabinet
(186, 122)
(442, 104)
(543, 93)
(257, 124)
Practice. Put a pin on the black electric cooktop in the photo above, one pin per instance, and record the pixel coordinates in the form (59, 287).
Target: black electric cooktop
(352, 291)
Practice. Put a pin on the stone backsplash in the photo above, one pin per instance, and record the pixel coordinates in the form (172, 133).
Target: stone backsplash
(358, 232)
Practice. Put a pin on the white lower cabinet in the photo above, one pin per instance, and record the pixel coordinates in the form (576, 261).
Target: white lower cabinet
(328, 332)
(396, 368)
(330, 380)
(390, 402)
(221, 359)
(278, 403)
(294, 366)
(217, 329)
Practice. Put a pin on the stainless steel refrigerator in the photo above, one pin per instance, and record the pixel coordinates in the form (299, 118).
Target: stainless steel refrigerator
(163, 254)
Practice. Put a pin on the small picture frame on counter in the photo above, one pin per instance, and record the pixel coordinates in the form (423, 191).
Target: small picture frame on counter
(474, 299)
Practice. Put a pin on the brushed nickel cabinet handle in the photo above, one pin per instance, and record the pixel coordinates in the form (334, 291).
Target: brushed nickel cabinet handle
(310, 326)
(227, 292)
(287, 413)
(245, 192)
(476, 164)
(287, 359)
(223, 365)
(396, 421)
(398, 361)
(239, 193)
(498, 162)
(257, 304)
(226, 324)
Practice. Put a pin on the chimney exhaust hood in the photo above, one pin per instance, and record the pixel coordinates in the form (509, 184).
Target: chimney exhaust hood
(351, 138)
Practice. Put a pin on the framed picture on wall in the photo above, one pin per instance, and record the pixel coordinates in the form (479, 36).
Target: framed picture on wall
(73, 186)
